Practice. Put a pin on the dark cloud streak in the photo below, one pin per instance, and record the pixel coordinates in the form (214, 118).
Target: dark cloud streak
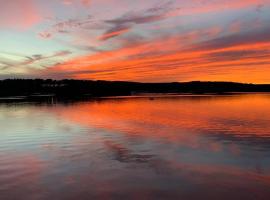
(129, 20)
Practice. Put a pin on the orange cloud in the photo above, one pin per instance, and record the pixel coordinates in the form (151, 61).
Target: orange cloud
(109, 35)
(243, 58)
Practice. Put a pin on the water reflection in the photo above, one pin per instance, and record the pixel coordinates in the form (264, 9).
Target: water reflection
(196, 147)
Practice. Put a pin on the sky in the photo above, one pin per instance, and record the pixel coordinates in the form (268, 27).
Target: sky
(142, 40)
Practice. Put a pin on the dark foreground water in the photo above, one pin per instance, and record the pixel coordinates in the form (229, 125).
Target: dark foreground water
(196, 147)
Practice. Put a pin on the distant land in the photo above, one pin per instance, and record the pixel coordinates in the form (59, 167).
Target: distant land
(88, 88)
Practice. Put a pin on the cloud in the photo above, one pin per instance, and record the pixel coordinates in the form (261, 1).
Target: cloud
(65, 26)
(241, 38)
(153, 40)
(19, 14)
(28, 61)
(45, 35)
(125, 23)
(114, 32)
(215, 6)
(62, 53)
(86, 2)
(238, 54)
(83, 2)
(112, 27)
(38, 57)
(238, 57)
(67, 2)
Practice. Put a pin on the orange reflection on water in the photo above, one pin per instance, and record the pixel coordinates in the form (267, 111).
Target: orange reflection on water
(174, 147)
(179, 119)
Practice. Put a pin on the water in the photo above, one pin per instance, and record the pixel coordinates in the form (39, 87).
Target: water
(189, 147)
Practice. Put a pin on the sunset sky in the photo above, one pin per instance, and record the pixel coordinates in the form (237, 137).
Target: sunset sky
(136, 40)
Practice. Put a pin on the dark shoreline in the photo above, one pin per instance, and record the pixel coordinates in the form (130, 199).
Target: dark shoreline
(38, 89)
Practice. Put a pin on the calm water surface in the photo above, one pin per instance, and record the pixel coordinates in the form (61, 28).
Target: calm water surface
(196, 147)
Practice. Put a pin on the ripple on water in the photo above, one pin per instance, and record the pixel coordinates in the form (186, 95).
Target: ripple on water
(169, 148)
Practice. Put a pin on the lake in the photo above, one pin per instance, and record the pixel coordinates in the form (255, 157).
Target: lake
(163, 147)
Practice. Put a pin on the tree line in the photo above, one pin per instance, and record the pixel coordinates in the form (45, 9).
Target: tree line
(78, 88)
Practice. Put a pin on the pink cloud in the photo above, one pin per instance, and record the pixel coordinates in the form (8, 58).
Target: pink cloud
(18, 14)
(197, 7)
(67, 2)
(83, 2)
(86, 2)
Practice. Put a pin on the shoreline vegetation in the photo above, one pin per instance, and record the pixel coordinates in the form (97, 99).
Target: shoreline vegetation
(38, 89)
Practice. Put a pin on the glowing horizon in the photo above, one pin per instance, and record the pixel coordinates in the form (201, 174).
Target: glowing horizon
(146, 41)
